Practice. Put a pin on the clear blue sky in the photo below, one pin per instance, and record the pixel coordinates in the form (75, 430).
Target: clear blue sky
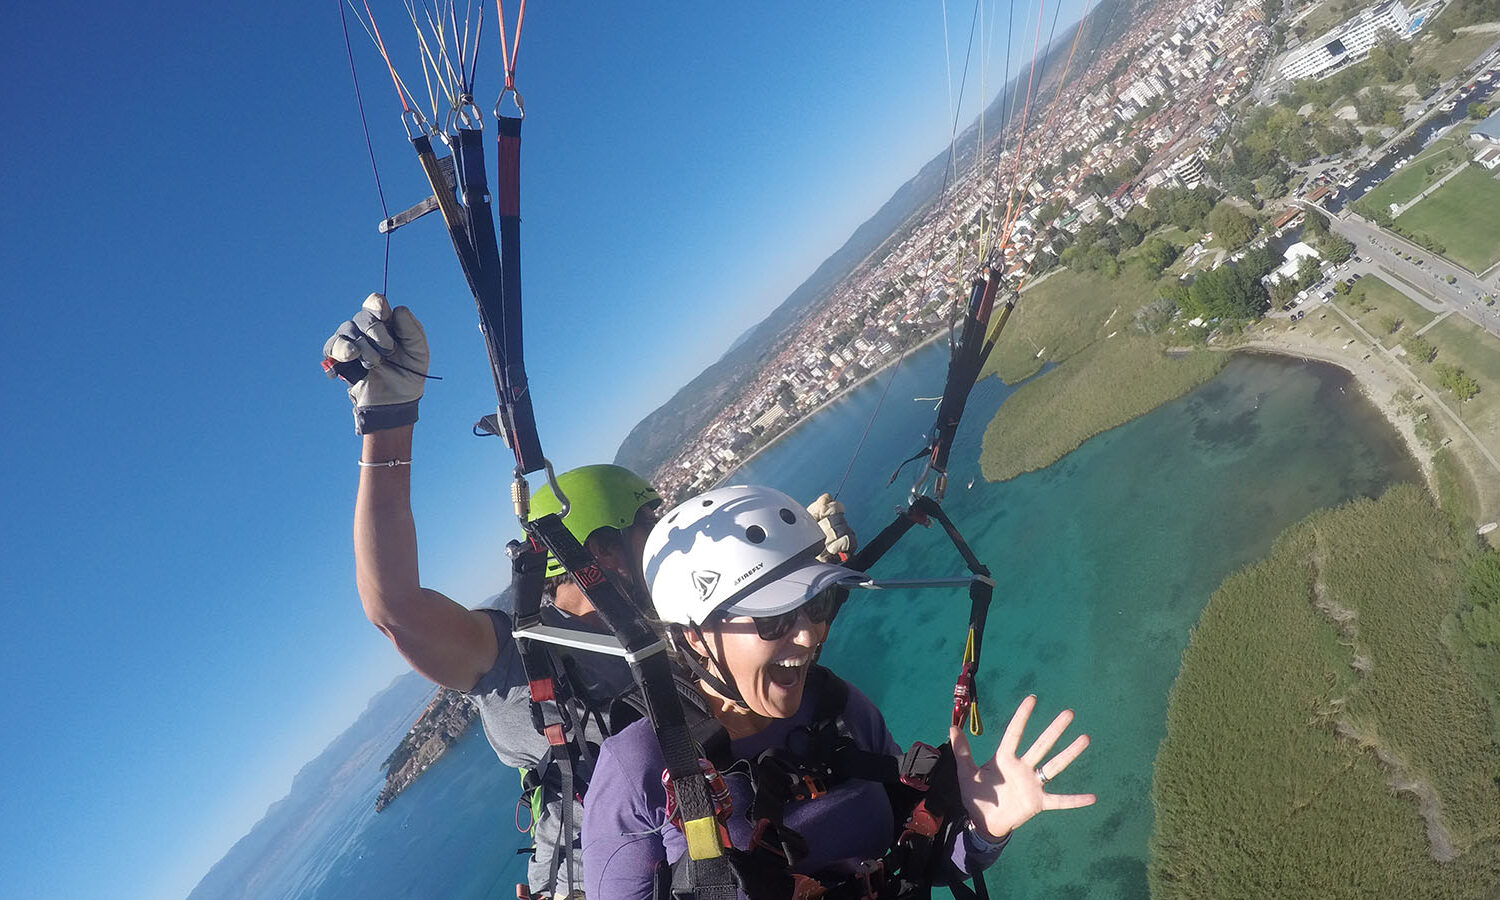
(188, 212)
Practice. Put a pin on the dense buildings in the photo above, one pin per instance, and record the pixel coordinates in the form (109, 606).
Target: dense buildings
(1134, 115)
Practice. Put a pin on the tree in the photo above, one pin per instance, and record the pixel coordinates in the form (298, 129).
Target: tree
(1191, 207)
(1282, 291)
(1426, 80)
(1479, 110)
(1130, 234)
(1371, 106)
(1308, 269)
(1232, 228)
(1259, 261)
(1390, 58)
(1156, 254)
(1391, 324)
(1228, 292)
(1419, 348)
(1454, 379)
(1314, 225)
(1241, 187)
(1336, 249)
(1443, 31)
(1143, 217)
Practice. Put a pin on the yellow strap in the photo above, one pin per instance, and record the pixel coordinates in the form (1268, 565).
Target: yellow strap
(976, 725)
(702, 838)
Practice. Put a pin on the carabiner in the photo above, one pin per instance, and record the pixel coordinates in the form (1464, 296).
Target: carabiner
(467, 114)
(516, 98)
(415, 124)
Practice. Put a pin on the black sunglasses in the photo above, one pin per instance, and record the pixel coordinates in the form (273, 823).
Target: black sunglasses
(820, 608)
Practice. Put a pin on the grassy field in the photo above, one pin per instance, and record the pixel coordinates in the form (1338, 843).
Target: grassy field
(1461, 343)
(1464, 215)
(1096, 389)
(1330, 733)
(1449, 59)
(1064, 314)
(1417, 175)
(1373, 302)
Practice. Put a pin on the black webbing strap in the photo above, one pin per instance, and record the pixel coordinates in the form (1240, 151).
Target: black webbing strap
(874, 549)
(520, 421)
(981, 590)
(549, 712)
(452, 212)
(711, 875)
(494, 279)
(963, 366)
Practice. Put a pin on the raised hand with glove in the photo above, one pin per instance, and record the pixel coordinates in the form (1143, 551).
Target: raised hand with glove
(839, 542)
(382, 353)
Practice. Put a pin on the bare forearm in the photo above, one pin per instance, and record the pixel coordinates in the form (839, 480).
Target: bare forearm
(442, 640)
(385, 536)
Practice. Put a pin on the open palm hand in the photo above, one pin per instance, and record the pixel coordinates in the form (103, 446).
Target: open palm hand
(1005, 792)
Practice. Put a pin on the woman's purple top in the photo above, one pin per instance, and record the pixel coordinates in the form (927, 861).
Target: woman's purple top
(626, 832)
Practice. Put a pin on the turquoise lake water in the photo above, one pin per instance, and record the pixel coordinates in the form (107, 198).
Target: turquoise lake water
(1103, 562)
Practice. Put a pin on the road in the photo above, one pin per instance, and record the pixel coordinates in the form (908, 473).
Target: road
(1379, 251)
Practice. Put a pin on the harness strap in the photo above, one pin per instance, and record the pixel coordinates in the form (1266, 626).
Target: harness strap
(549, 716)
(515, 393)
(710, 874)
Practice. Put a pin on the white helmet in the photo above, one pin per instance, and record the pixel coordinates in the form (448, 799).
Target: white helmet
(739, 551)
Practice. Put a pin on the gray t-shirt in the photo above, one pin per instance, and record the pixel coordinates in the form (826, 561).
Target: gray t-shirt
(503, 697)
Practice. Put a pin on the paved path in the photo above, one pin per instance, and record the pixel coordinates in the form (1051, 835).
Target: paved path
(1441, 317)
(1435, 185)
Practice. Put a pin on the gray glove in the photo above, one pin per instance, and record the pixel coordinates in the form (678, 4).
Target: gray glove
(389, 348)
(838, 538)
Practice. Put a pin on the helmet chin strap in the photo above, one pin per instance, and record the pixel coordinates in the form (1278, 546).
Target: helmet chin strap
(724, 689)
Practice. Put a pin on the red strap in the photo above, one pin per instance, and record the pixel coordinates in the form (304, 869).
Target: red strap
(509, 52)
(542, 689)
(555, 735)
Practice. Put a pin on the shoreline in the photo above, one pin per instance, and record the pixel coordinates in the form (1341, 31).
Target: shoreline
(1382, 380)
(1376, 382)
(827, 403)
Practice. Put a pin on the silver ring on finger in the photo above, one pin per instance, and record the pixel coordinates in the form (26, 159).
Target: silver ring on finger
(1042, 776)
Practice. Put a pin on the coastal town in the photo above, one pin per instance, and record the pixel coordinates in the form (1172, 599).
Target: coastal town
(1158, 109)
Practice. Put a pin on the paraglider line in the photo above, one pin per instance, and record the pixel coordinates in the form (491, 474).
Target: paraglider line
(359, 101)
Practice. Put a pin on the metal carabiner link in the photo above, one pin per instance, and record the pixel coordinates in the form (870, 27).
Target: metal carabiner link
(466, 114)
(520, 494)
(516, 95)
(415, 124)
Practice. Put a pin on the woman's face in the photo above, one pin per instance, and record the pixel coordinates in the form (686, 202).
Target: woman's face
(770, 675)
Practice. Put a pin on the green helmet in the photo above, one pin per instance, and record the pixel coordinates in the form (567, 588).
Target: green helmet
(601, 496)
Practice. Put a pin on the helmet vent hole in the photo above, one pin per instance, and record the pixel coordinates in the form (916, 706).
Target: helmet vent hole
(708, 503)
(672, 518)
(755, 534)
(788, 516)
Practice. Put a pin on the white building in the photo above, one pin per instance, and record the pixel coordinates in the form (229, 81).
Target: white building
(1189, 170)
(1294, 256)
(1350, 42)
